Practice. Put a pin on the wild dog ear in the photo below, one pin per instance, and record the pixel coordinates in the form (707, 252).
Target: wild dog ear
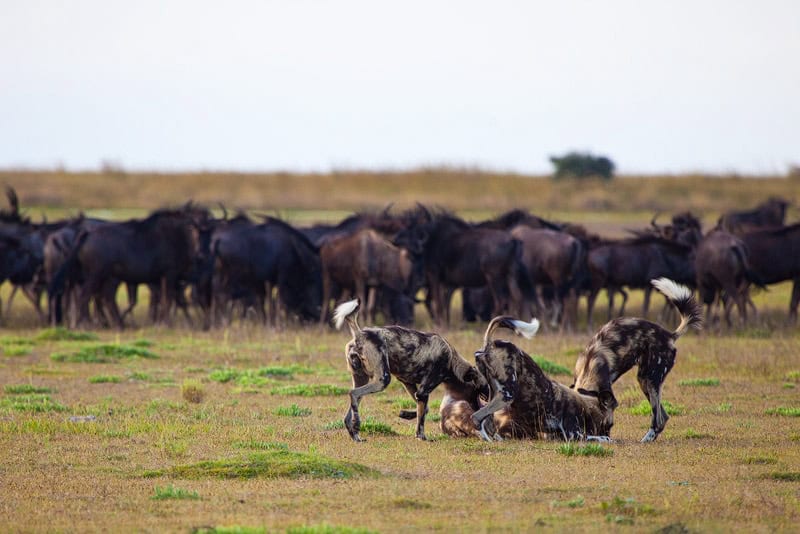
(607, 399)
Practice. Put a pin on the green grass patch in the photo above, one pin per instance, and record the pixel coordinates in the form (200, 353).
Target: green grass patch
(16, 350)
(192, 391)
(724, 407)
(310, 390)
(63, 334)
(786, 411)
(788, 385)
(760, 460)
(325, 528)
(690, 433)
(268, 464)
(26, 388)
(16, 340)
(643, 408)
(292, 411)
(103, 354)
(793, 376)
(105, 379)
(577, 502)
(261, 445)
(624, 511)
(699, 382)
(590, 449)
(410, 504)
(549, 367)
(34, 402)
(142, 343)
(171, 492)
(785, 476)
(368, 426)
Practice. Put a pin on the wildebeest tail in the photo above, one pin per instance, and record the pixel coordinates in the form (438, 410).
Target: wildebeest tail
(749, 274)
(347, 311)
(55, 290)
(683, 299)
(521, 274)
(526, 330)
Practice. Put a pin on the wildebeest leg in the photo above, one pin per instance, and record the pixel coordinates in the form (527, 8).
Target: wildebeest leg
(610, 292)
(132, 299)
(273, 312)
(645, 306)
(590, 300)
(624, 302)
(371, 312)
(108, 296)
(795, 300)
(362, 386)
(660, 417)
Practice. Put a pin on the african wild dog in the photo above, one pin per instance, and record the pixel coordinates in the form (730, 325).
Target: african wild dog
(420, 361)
(526, 403)
(627, 341)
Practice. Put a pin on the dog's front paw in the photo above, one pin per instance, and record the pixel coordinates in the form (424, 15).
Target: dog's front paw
(484, 435)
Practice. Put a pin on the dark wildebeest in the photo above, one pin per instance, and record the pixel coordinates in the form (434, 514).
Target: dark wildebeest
(774, 256)
(768, 214)
(722, 265)
(363, 263)
(456, 254)
(633, 263)
(420, 361)
(252, 259)
(627, 341)
(552, 258)
(525, 403)
(160, 250)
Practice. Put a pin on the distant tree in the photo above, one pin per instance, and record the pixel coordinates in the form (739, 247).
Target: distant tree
(582, 165)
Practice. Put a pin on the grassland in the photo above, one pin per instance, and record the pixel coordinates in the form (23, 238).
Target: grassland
(170, 429)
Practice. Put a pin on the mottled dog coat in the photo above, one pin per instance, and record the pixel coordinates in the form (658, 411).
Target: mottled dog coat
(420, 361)
(526, 403)
(627, 341)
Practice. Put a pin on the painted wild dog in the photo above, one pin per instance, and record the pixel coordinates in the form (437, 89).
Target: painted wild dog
(526, 403)
(627, 341)
(419, 360)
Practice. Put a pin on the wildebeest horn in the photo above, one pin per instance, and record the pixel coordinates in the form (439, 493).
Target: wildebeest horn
(13, 201)
(653, 220)
(224, 211)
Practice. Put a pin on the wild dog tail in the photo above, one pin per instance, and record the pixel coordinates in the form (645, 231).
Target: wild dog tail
(347, 311)
(683, 299)
(526, 330)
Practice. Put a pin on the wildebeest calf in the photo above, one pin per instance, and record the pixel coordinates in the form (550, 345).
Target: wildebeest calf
(628, 341)
(526, 403)
(419, 360)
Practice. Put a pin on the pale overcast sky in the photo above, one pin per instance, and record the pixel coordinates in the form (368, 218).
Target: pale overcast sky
(317, 85)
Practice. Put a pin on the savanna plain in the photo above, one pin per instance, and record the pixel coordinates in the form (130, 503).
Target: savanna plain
(239, 429)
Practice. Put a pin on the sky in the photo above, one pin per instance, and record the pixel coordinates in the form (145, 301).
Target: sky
(301, 85)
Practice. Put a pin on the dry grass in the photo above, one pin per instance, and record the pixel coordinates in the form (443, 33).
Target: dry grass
(334, 195)
(236, 452)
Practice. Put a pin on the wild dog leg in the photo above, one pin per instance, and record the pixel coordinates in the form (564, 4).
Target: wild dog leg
(660, 416)
(422, 407)
(497, 403)
(362, 385)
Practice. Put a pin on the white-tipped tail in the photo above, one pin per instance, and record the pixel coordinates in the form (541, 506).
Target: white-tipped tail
(343, 311)
(671, 289)
(683, 299)
(526, 330)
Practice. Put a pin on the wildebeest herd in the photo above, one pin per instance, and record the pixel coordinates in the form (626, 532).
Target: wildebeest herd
(214, 269)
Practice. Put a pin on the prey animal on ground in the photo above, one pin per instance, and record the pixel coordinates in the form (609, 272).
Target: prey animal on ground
(526, 403)
(419, 360)
(628, 341)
